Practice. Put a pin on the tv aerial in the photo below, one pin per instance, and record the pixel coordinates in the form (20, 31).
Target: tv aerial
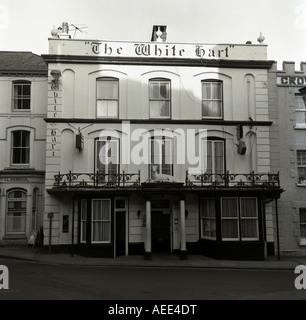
(77, 27)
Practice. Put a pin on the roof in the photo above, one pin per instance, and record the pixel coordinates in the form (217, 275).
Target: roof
(22, 62)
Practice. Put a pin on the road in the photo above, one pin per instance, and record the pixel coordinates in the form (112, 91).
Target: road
(38, 281)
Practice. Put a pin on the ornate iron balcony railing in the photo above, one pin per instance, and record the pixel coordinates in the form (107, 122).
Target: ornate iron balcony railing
(96, 180)
(233, 180)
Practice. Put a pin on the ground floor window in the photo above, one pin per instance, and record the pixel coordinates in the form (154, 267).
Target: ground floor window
(101, 221)
(208, 218)
(16, 211)
(83, 220)
(239, 218)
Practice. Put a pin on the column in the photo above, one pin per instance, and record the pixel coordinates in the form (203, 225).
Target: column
(183, 252)
(148, 253)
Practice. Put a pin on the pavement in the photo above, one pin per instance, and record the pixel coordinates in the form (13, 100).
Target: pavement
(38, 254)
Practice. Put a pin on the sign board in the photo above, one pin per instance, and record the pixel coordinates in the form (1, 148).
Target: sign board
(32, 238)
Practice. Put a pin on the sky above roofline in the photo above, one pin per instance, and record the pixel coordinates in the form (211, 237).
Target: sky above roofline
(25, 25)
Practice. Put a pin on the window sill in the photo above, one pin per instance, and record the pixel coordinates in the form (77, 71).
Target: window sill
(15, 237)
(300, 126)
(303, 184)
(302, 243)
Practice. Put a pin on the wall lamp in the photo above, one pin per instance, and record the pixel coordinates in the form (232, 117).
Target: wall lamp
(55, 74)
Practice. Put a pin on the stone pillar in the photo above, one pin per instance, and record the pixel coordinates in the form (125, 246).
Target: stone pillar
(148, 250)
(183, 252)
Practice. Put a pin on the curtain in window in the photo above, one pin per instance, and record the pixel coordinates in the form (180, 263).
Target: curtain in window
(159, 95)
(161, 155)
(101, 221)
(208, 212)
(212, 99)
(249, 218)
(229, 216)
(107, 98)
(83, 220)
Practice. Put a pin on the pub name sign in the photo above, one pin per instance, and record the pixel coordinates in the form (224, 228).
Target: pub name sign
(157, 50)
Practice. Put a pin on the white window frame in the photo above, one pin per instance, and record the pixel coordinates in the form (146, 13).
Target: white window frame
(210, 219)
(83, 222)
(230, 218)
(107, 79)
(107, 167)
(22, 97)
(301, 166)
(101, 220)
(249, 218)
(219, 99)
(302, 238)
(167, 100)
(300, 109)
(22, 211)
(157, 159)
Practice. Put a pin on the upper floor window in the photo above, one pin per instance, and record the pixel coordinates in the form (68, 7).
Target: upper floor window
(302, 212)
(107, 97)
(20, 147)
(300, 110)
(212, 99)
(301, 165)
(160, 98)
(161, 156)
(215, 160)
(21, 95)
(107, 159)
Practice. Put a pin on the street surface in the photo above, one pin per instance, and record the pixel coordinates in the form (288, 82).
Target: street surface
(38, 281)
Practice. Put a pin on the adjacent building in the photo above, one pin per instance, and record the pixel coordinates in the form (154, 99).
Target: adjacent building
(159, 147)
(288, 152)
(23, 107)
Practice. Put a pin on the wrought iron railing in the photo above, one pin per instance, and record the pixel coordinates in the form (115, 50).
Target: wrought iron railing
(96, 180)
(100, 180)
(233, 180)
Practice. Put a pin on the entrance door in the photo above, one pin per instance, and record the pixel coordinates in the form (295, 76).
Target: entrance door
(160, 231)
(120, 233)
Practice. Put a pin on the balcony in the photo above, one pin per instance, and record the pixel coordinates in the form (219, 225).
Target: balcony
(96, 180)
(233, 180)
(132, 180)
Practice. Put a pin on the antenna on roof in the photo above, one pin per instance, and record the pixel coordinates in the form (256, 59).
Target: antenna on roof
(78, 27)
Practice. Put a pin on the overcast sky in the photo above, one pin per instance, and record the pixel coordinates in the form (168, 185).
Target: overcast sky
(25, 24)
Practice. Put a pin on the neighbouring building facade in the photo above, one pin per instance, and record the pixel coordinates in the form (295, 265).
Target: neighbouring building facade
(23, 107)
(122, 119)
(288, 152)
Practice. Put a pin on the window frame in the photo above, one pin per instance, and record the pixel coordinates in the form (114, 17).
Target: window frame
(109, 175)
(26, 149)
(22, 211)
(109, 221)
(117, 99)
(161, 155)
(168, 99)
(299, 110)
(239, 219)
(83, 222)
(211, 219)
(221, 99)
(301, 167)
(302, 237)
(22, 98)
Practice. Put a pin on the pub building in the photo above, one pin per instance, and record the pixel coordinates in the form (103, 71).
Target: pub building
(156, 147)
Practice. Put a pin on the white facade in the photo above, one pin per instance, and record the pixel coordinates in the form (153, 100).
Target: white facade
(22, 141)
(220, 88)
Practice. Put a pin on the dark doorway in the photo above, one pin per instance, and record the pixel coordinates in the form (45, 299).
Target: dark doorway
(120, 233)
(160, 231)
